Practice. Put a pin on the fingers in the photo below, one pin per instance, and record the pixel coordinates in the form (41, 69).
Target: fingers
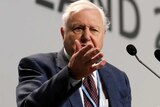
(85, 49)
(82, 50)
(78, 46)
(85, 60)
(88, 54)
(98, 65)
(93, 55)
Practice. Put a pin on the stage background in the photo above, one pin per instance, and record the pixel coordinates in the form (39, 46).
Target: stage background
(29, 26)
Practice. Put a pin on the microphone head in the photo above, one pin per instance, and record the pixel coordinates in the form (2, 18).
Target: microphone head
(157, 54)
(131, 49)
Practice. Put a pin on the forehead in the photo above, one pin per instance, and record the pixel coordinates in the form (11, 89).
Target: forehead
(89, 17)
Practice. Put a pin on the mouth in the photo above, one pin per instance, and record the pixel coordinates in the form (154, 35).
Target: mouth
(83, 45)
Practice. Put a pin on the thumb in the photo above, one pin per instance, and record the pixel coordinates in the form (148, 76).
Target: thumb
(78, 46)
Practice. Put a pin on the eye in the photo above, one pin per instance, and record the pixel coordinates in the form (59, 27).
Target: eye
(78, 30)
(94, 30)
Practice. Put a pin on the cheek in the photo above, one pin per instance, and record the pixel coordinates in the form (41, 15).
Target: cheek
(69, 44)
(98, 41)
(68, 41)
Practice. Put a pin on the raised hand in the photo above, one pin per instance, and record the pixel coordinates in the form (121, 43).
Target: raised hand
(85, 60)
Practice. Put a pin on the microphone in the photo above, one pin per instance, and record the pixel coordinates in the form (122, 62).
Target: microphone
(157, 54)
(131, 49)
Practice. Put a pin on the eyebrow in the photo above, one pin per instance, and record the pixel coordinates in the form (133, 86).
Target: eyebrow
(83, 25)
(76, 24)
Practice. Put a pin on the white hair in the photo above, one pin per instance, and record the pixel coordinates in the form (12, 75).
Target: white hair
(81, 5)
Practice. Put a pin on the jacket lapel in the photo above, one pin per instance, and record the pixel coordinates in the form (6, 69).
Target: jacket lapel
(110, 85)
(61, 59)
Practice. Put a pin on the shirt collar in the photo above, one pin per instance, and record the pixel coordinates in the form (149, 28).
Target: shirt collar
(66, 54)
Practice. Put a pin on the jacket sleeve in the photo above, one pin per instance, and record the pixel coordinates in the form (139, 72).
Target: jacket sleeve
(127, 98)
(37, 89)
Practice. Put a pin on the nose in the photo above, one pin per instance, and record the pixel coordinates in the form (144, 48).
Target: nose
(86, 36)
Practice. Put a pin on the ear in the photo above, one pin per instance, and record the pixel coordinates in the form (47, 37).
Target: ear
(62, 32)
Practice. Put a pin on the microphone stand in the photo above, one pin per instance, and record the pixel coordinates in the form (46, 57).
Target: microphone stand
(147, 67)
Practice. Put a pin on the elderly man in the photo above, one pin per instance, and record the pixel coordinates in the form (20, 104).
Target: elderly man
(77, 76)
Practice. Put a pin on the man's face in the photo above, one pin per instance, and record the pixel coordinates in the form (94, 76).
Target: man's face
(85, 26)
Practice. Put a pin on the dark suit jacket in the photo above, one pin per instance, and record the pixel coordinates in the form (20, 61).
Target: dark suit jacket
(44, 82)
